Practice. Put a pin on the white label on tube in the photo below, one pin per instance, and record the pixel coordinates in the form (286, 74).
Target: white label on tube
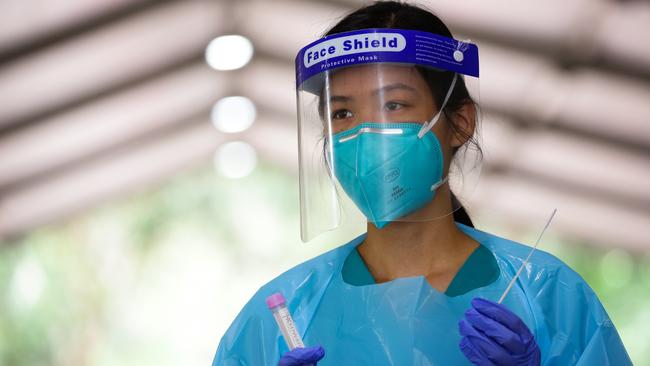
(291, 334)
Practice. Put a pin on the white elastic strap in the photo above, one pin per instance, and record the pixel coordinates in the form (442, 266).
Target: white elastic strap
(430, 124)
(436, 185)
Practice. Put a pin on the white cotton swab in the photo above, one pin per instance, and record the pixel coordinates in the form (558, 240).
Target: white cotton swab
(512, 282)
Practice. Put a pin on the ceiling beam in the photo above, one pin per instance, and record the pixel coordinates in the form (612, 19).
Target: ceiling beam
(55, 21)
(134, 168)
(106, 178)
(524, 202)
(568, 162)
(108, 123)
(86, 66)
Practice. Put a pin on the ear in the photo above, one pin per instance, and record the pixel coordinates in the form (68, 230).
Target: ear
(464, 124)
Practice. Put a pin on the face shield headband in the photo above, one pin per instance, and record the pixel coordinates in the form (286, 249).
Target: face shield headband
(383, 45)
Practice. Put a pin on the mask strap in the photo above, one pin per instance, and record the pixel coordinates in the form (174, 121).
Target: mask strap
(428, 126)
(436, 185)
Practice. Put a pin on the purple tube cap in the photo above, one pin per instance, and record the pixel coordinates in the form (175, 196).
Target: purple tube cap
(275, 300)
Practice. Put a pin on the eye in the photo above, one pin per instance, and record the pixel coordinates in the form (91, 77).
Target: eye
(394, 106)
(341, 114)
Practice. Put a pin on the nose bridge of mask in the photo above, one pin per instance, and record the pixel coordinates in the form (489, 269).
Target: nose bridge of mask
(381, 148)
(429, 125)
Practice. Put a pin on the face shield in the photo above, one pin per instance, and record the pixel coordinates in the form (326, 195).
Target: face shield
(386, 121)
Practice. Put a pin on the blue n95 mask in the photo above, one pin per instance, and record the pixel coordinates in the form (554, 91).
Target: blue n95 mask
(390, 170)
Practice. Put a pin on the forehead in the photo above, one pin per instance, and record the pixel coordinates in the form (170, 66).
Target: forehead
(365, 77)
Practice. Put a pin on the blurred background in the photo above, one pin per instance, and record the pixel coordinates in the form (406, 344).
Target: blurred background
(148, 162)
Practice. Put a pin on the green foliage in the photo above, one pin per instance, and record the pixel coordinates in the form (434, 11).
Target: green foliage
(140, 281)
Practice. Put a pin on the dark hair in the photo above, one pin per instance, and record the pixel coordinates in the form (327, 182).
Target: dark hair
(395, 14)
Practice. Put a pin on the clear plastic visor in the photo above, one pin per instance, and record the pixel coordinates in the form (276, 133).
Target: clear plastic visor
(385, 143)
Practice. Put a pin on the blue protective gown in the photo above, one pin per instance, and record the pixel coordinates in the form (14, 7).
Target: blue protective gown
(407, 322)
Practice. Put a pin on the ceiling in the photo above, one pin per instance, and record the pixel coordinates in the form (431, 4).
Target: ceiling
(100, 99)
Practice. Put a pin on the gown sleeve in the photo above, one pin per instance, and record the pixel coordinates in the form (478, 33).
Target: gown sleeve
(578, 330)
(246, 342)
(254, 337)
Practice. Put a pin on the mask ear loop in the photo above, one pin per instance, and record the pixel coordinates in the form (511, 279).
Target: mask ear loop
(436, 185)
(428, 126)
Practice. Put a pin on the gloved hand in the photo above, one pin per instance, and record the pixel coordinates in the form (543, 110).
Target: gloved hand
(302, 356)
(493, 335)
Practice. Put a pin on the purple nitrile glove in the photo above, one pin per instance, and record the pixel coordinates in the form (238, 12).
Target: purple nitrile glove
(493, 335)
(302, 356)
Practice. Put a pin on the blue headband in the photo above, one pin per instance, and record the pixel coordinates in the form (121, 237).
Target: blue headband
(386, 45)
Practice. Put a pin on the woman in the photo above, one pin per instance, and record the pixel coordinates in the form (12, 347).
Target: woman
(386, 90)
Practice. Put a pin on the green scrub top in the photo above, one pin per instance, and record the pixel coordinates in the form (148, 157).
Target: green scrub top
(480, 269)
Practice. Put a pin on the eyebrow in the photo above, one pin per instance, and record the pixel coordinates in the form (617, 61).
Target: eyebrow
(395, 86)
(384, 89)
(340, 98)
